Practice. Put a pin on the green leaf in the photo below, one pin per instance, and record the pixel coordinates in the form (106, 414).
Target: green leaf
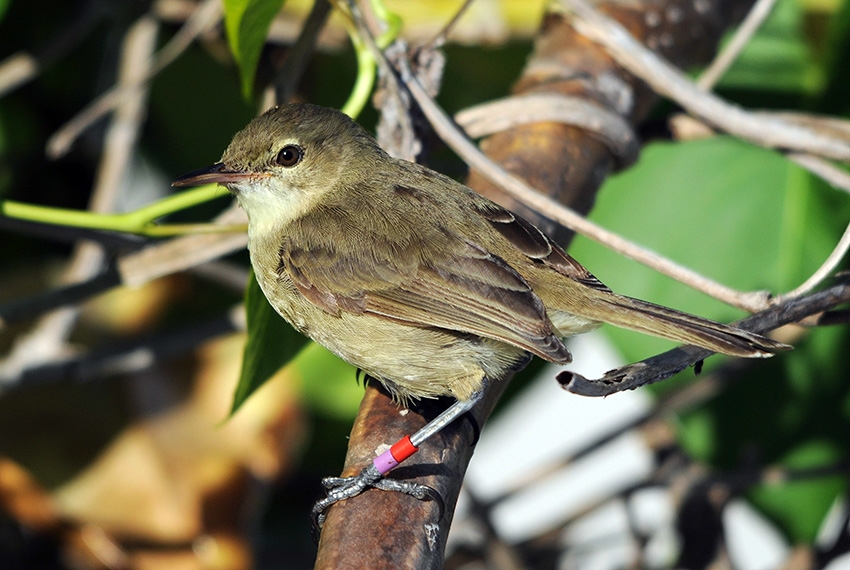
(271, 344)
(779, 57)
(329, 385)
(738, 214)
(751, 219)
(247, 23)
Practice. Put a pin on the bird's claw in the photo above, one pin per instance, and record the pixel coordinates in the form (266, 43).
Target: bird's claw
(341, 488)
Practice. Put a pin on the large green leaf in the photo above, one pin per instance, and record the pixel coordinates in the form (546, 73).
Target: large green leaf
(741, 215)
(247, 23)
(751, 219)
(271, 344)
(328, 383)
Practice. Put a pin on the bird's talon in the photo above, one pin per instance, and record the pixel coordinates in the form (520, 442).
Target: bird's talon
(333, 482)
(341, 488)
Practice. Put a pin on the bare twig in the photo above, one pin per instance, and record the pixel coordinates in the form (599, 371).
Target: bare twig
(771, 132)
(184, 252)
(224, 273)
(830, 173)
(16, 70)
(755, 18)
(440, 39)
(54, 299)
(292, 70)
(130, 356)
(46, 340)
(824, 271)
(206, 15)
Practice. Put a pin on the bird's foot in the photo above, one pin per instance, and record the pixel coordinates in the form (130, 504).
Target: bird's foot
(341, 488)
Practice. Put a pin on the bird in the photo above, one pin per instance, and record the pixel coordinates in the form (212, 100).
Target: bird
(412, 277)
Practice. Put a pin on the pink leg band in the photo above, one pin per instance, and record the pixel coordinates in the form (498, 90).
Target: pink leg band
(389, 459)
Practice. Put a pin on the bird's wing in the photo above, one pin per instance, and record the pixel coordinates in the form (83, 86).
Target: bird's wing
(534, 244)
(424, 275)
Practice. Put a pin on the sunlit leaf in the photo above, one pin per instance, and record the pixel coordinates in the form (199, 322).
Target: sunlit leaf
(271, 344)
(751, 219)
(247, 23)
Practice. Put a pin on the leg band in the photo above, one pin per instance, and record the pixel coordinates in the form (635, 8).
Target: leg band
(389, 459)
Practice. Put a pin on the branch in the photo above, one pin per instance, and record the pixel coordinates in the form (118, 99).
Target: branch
(745, 32)
(128, 357)
(665, 365)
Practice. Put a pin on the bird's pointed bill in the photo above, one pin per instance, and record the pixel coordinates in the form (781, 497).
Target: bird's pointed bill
(215, 174)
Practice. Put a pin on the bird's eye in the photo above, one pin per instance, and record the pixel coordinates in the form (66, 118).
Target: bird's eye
(289, 156)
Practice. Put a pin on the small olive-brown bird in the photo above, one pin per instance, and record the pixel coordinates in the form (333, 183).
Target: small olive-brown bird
(410, 276)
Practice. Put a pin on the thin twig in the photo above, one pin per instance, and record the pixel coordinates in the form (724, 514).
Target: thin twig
(182, 253)
(289, 76)
(46, 340)
(504, 114)
(224, 273)
(16, 70)
(755, 18)
(457, 141)
(440, 39)
(768, 131)
(824, 271)
(128, 357)
(205, 17)
(56, 298)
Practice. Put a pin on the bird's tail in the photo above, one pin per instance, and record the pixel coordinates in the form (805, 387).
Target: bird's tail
(677, 326)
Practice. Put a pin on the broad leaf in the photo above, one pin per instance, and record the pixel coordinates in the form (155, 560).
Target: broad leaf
(271, 344)
(751, 219)
(247, 23)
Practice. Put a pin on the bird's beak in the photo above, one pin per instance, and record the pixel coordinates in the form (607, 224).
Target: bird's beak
(217, 173)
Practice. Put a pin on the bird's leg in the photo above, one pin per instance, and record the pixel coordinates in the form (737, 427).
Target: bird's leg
(340, 488)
